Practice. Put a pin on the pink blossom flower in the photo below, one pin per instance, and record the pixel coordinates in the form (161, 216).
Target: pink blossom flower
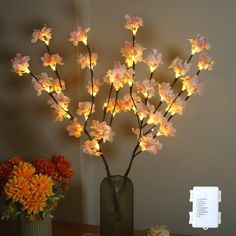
(43, 84)
(79, 35)
(180, 68)
(128, 77)
(84, 108)
(143, 110)
(132, 54)
(205, 62)
(101, 131)
(149, 144)
(44, 35)
(146, 87)
(59, 114)
(165, 92)
(84, 60)
(177, 107)
(153, 60)
(75, 129)
(96, 86)
(126, 103)
(111, 105)
(198, 44)
(20, 64)
(192, 85)
(52, 60)
(166, 129)
(91, 147)
(62, 102)
(136, 98)
(155, 118)
(116, 76)
(57, 86)
(133, 23)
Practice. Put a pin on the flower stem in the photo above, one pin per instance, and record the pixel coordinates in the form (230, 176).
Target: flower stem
(108, 100)
(168, 109)
(114, 108)
(52, 96)
(56, 71)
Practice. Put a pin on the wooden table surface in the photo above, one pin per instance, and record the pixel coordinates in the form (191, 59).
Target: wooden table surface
(64, 229)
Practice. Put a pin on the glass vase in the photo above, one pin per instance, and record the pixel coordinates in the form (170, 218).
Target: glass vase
(41, 227)
(116, 207)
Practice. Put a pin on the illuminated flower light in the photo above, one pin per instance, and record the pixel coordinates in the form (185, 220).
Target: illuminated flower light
(126, 103)
(79, 35)
(44, 35)
(166, 129)
(199, 44)
(17, 188)
(20, 64)
(52, 60)
(45, 166)
(62, 102)
(133, 23)
(136, 98)
(43, 84)
(96, 86)
(75, 129)
(205, 62)
(58, 86)
(101, 131)
(149, 144)
(144, 110)
(61, 107)
(132, 54)
(192, 85)
(155, 118)
(165, 92)
(153, 60)
(59, 114)
(119, 76)
(91, 147)
(111, 105)
(177, 107)
(146, 87)
(24, 169)
(128, 77)
(84, 108)
(84, 60)
(179, 68)
(63, 167)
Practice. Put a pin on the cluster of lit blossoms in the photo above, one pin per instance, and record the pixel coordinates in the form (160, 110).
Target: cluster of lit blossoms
(32, 189)
(154, 103)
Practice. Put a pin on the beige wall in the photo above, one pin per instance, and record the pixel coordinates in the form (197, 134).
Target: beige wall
(202, 153)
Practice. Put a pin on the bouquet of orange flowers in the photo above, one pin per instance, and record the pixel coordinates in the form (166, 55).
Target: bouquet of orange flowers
(33, 189)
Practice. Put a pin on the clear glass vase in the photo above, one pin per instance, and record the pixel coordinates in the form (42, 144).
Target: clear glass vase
(116, 207)
(35, 228)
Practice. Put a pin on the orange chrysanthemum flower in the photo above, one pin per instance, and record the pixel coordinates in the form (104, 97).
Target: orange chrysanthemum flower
(40, 189)
(46, 167)
(24, 169)
(42, 184)
(6, 168)
(34, 203)
(63, 167)
(17, 188)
